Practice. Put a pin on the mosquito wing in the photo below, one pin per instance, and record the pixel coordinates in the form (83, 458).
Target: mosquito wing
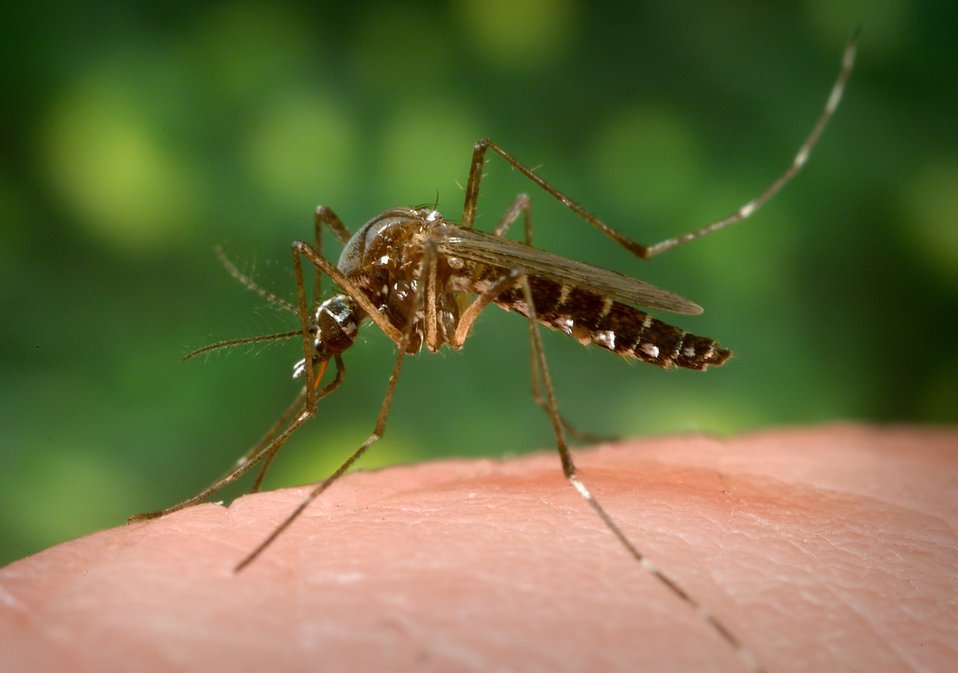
(506, 254)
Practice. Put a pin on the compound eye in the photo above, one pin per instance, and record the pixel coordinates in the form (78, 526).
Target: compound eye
(337, 324)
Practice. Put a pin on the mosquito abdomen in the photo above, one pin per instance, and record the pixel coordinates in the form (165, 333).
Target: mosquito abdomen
(626, 331)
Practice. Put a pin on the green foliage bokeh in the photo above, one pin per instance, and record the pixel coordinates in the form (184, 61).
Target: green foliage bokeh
(138, 135)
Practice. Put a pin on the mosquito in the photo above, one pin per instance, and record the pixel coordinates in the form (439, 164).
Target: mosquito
(423, 280)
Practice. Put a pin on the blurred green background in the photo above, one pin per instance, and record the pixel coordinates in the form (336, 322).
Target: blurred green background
(137, 136)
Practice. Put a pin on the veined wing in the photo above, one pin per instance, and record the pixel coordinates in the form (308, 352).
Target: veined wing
(507, 254)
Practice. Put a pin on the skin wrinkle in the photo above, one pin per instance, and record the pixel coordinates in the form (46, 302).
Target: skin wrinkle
(841, 594)
(824, 549)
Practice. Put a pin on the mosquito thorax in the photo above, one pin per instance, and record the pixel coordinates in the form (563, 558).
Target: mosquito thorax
(384, 257)
(382, 240)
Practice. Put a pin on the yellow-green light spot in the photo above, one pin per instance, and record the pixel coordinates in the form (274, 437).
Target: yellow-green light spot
(644, 160)
(316, 462)
(113, 169)
(518, 33)
(931, 206)
(302, 151)
(81, 482)
(425, 150)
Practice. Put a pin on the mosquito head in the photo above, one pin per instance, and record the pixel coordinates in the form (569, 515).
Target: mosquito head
(334, 330)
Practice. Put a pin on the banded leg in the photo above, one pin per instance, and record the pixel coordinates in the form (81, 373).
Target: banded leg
(309, 392)
(571, 474)
(263, 450)
(380, 427)
(522, 205)
(647, 251)
(325, 215)
(348, 287)
(340, 471)
(271, 454)
(302, 408)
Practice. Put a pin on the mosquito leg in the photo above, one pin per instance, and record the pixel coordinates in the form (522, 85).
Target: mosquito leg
(235, 473)
(537, 397)
(305, 324)
(270, 434)
(377, 433)
(643, 251)
(326, 215)
(570, 472)
(427, 296)
(340, 471)
(542, 402)
(295, 415)
(471, 312)
(254, 455)
(309, 396)
(523, 205)
(263, 451)
(303, 407)
(466, 321)
(306, 250)
(268, 460)
(305, 402)
(801, 157)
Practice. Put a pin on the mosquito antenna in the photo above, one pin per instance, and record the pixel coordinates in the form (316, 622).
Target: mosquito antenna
(239, 342)
(249, 283)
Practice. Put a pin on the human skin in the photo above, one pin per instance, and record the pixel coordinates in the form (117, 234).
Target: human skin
(823, 549)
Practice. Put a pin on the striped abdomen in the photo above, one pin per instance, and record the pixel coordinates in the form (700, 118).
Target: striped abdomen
(617, 327)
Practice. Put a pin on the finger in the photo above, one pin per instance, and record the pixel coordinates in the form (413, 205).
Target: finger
(826, 549)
